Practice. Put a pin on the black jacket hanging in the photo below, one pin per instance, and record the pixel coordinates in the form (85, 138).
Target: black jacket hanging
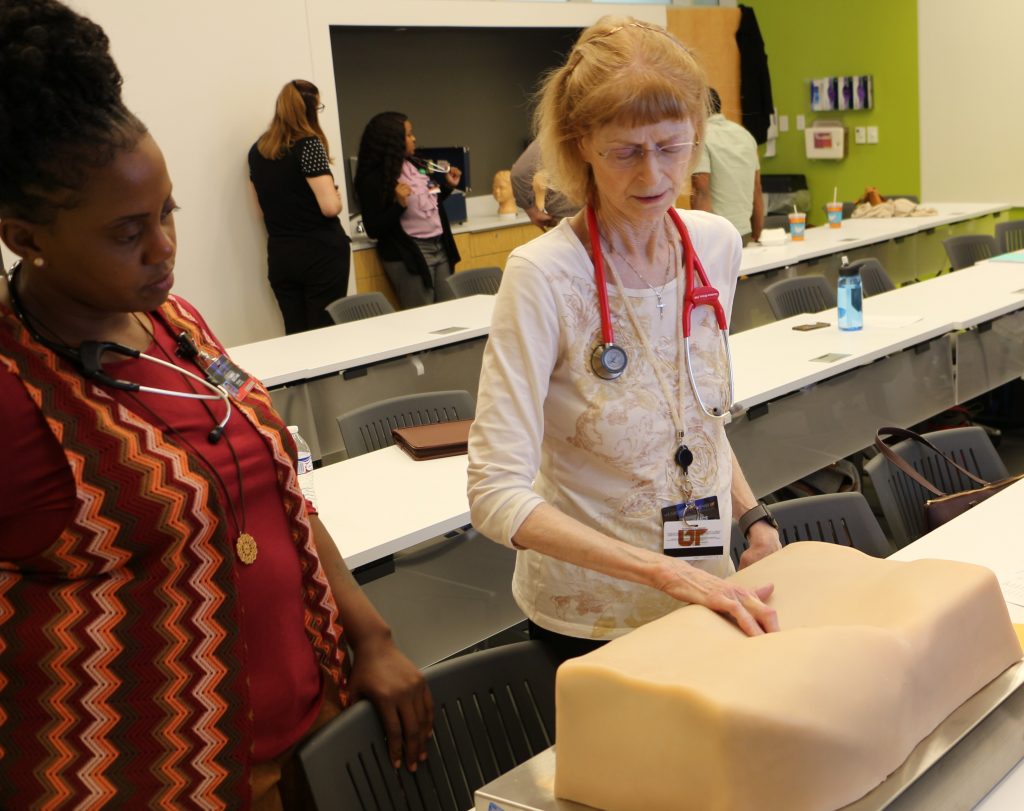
(755, 82)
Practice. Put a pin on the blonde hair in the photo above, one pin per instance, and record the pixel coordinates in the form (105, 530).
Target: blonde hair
(295, 118)
(621, 70)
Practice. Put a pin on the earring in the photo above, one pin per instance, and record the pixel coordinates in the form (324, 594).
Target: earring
(39, 261)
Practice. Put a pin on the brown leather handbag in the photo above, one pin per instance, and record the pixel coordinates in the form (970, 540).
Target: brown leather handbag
(945, 506)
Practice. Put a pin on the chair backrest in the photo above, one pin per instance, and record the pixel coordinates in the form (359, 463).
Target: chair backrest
(902, 499)
(493, 710)
(841, 518)
(913, 198)
(963, 251)
(848, 209)
(873, 277)
(776, 221)
(1010, 236)
(475, 281)
(800, 294)
(368, 428)
(359, 306)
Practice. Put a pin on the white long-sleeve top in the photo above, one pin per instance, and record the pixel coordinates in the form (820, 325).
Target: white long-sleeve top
(547, 429)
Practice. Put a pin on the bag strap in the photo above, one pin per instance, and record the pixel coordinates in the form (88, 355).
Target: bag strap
(902, 464)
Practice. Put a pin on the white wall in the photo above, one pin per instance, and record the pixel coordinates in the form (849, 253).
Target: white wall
(204, 74)
(970, 74)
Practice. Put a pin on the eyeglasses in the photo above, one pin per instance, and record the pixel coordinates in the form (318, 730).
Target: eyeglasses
(626, 157)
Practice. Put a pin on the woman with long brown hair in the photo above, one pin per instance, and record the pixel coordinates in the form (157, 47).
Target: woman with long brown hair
(402, 211)
(307, 249)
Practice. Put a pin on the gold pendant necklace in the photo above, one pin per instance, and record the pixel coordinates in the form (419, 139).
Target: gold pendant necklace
(246, 548)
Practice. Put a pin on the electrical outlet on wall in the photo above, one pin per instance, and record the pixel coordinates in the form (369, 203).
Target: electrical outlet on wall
(860, 135)
(872, 135)
(800, 123)
(783, 123)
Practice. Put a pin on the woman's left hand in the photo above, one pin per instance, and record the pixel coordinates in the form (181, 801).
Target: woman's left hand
(381, 673)
(762, 539)
(454, 176)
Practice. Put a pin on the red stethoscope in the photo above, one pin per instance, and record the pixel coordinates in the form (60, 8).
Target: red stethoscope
(609, 360)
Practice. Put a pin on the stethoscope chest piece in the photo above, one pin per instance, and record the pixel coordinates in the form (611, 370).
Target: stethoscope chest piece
(608, 361)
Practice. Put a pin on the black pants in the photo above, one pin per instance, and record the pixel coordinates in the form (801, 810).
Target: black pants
(561, 646)
(306, 274)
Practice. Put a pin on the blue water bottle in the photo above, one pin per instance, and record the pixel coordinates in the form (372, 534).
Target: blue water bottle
(850, 298)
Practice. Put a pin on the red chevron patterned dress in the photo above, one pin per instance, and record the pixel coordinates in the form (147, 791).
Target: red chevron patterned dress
(122, 672)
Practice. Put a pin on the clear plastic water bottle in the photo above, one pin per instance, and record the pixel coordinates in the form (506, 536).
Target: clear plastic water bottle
(304, 466)
(850, 298)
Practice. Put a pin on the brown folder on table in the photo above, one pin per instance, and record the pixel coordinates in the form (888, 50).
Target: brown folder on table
(434, 441)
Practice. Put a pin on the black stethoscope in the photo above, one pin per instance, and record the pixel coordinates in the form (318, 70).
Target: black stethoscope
(87, 358)
(609, 360)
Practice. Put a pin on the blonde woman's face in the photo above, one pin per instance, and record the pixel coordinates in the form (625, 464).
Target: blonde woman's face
(639, 171)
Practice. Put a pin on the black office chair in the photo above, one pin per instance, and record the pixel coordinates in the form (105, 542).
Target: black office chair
(873, 277)
(1010, 236)
(800, 294)
(368, 428)
(848, 209)
(840, 518)
(493, 710)
(902, 499)
(359, 306)
(966, 250)
(776, 221)
(475, 281)
(913, 198)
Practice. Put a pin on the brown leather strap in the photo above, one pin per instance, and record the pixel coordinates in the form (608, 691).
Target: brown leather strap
(902, 464)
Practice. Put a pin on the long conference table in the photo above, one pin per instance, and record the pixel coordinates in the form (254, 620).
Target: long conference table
(316, 375)
(803, 400)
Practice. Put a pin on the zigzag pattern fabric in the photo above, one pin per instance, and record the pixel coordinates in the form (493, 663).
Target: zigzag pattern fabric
(122, 673)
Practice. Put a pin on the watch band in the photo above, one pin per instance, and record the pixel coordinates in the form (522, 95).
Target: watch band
(759, 512)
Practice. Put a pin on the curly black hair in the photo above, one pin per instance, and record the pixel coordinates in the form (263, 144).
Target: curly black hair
(61, 113)
(382, 149)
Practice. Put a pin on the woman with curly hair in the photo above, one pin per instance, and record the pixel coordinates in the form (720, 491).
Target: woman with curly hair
(307, 249)
(401, 210)
(174, 618)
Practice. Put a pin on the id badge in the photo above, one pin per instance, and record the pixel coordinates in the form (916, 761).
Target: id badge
(236, 381)
(693, 530)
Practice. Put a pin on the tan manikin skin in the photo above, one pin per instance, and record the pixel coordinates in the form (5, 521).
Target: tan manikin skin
(688, 713)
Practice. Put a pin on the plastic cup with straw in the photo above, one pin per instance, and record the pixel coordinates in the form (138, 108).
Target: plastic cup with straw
(835, 210)
(797, 224)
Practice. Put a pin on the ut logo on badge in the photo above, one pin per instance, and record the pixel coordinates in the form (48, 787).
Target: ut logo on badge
(690, 537)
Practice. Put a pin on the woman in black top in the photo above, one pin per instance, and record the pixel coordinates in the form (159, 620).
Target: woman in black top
(401, 209)
(307, 249)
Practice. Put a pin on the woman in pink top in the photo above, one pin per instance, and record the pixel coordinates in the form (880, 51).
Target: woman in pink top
(401, 207)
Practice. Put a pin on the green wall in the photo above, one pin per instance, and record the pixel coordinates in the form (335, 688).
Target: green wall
(808, 39)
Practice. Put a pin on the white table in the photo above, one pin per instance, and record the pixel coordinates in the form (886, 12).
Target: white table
(805, 399)
(384, 502)
(855, 234)
(329, 350)
(988, 535)
(907, 247)
(315, 376)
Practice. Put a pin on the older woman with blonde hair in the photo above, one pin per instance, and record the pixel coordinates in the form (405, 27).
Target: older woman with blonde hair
(599, 449)
(307, 249)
